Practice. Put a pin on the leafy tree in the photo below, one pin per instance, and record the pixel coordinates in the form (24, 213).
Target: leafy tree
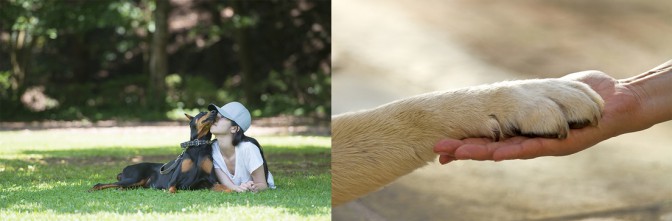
(103, 60)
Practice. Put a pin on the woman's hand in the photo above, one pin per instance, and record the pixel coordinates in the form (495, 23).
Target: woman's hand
(247, 186)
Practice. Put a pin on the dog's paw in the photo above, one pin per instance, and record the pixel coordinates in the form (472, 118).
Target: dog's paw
(220, 188)
(96, 187)
(543, 108)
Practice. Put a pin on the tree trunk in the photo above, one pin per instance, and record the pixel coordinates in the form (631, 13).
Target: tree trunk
(20, 57)
(249, 81)
(158, 63)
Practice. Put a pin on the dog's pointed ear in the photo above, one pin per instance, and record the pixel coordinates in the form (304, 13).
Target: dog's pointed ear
(188, 116)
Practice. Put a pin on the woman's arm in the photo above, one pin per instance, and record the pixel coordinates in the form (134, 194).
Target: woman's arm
(259, 179)
(224, 180)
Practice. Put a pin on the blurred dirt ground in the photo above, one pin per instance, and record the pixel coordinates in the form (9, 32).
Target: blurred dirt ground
(385, 50)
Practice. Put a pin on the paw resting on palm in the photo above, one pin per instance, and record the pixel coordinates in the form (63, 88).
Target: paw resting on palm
(542, 108)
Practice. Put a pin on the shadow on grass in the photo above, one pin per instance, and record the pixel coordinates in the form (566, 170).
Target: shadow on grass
(58, 180)
(303, 159)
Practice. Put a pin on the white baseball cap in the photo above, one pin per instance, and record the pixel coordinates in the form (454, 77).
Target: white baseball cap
(236, 112)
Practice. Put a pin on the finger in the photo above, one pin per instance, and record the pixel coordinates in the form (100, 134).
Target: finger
(473, 152)
(477, 149)
(480, 141)
(447, 146)
(483, 148)
(508, 152)
(446, 149)
(444, 159)
(527, 148)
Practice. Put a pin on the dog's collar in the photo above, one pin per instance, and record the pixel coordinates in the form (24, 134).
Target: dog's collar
(194, 143)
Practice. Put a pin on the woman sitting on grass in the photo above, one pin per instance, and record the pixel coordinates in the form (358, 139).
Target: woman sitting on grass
(239, 162)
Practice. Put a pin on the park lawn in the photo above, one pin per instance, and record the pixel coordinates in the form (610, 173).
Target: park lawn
(45, 175)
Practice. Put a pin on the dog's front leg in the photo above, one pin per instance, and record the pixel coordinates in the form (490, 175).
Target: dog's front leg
(172, 184)
(185, 165)
(372, 148)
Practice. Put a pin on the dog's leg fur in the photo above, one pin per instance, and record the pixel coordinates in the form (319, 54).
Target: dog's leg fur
(372, 148)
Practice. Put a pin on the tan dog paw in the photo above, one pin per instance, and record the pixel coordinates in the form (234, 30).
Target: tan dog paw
(543, 108)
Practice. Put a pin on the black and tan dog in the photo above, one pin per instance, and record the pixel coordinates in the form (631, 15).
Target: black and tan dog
(193, 169)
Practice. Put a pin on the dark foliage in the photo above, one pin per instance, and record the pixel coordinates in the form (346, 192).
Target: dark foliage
(79, 59)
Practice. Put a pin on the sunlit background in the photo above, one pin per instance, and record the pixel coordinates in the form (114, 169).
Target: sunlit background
(386, 50)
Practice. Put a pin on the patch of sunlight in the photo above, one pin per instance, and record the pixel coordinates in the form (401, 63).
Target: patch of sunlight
(297, 141)
(50, 185)
(36, 187)
(95, 204)
(14, 171)
(92, 138)
(73, 139)
(27, 170)
(14, 156)
(14, 188)
(25, 206)
(20, 212)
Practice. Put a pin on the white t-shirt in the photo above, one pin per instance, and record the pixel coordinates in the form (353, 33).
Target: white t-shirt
(248, 159)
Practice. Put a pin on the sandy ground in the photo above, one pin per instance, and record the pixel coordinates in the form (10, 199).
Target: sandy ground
(389, 50)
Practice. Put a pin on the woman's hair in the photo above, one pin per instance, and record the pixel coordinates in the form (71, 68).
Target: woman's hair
(239, 137)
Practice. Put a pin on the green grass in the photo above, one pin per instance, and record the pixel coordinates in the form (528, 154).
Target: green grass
(45, 175)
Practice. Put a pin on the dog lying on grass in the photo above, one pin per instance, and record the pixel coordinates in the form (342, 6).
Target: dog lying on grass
(372, 148)
(193, 169)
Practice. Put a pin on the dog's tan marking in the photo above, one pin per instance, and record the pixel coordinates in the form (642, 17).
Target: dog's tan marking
(187, 164)
(140, 183)
(220, 188)
(203, 127)
(103, 186)
(206, 165)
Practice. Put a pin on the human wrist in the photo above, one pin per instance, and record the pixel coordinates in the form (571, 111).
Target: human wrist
(654, 95)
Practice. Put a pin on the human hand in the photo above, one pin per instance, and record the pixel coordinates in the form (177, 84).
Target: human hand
(247, 186)
(622, 104)
(253, 187)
